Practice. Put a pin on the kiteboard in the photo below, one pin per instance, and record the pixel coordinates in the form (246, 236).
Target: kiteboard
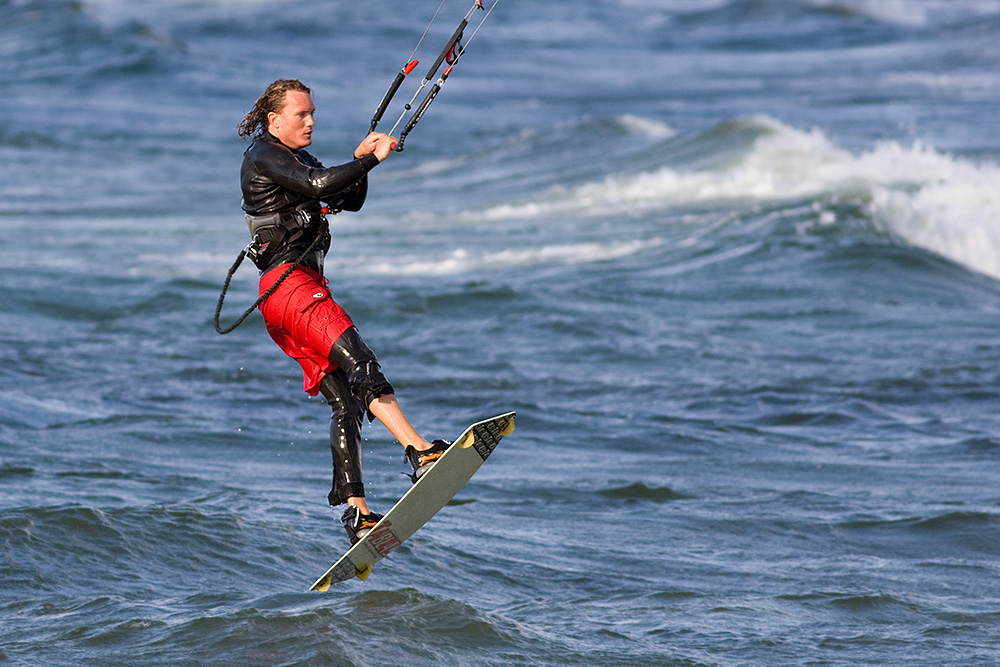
(423, 500)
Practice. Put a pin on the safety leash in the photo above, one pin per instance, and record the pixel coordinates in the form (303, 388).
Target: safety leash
(271, 290)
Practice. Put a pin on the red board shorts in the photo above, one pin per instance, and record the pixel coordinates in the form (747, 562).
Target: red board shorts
(304, 320)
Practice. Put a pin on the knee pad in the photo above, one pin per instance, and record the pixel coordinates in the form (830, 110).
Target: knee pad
(358, 362)
(368, 383)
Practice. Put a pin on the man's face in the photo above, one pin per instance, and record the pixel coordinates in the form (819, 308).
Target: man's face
(293, 125)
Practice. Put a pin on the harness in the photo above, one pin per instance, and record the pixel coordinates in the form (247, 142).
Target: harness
(269, 234)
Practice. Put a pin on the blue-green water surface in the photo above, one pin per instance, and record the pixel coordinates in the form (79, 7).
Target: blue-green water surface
(734, 263)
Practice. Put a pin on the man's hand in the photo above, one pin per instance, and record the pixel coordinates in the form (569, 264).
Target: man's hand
(379, 144)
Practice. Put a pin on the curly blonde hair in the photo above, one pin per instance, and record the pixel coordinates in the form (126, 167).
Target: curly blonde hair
(272, 101)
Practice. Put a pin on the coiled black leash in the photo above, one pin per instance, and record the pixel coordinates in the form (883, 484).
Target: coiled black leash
(270, 290)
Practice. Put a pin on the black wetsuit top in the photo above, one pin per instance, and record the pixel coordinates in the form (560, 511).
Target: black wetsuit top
(283, 188)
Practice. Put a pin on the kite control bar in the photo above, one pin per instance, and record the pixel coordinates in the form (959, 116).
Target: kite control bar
(397, 82)
(452, 51)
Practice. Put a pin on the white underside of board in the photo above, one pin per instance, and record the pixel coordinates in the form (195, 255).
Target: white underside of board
(431, 492)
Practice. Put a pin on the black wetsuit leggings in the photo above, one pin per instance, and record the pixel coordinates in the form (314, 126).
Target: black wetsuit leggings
(349, 389)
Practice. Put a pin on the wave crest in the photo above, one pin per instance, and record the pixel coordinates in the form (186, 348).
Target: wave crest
(939, 202)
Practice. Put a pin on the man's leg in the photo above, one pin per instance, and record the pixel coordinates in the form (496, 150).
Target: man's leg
(364, 375)
(386, 409)
(345, 445)
(345, 439)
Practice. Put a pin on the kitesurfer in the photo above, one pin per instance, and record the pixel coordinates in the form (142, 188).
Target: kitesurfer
(284, 189)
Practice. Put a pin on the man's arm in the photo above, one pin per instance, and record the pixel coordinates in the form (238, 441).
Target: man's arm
(280, 165)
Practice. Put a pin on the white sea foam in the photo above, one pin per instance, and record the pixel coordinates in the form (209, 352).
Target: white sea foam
(461, 260)
(956, 215)
(651, 128)
(900, 12)
(915, 12)
(936, 201)
(929, 199)
(953, 83)
(783, 163)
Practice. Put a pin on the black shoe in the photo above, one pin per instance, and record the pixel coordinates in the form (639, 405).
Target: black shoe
(357, 524)
(422, 461)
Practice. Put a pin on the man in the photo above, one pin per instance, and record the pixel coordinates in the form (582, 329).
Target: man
(283, 190)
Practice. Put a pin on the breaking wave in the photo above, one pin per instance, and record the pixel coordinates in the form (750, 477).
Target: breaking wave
(923, 197)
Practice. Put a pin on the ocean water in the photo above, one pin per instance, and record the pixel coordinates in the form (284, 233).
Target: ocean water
(735, 263)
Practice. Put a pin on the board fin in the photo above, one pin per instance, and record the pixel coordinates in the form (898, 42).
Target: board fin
(323, 585)
(467, 441)
(361, 574)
